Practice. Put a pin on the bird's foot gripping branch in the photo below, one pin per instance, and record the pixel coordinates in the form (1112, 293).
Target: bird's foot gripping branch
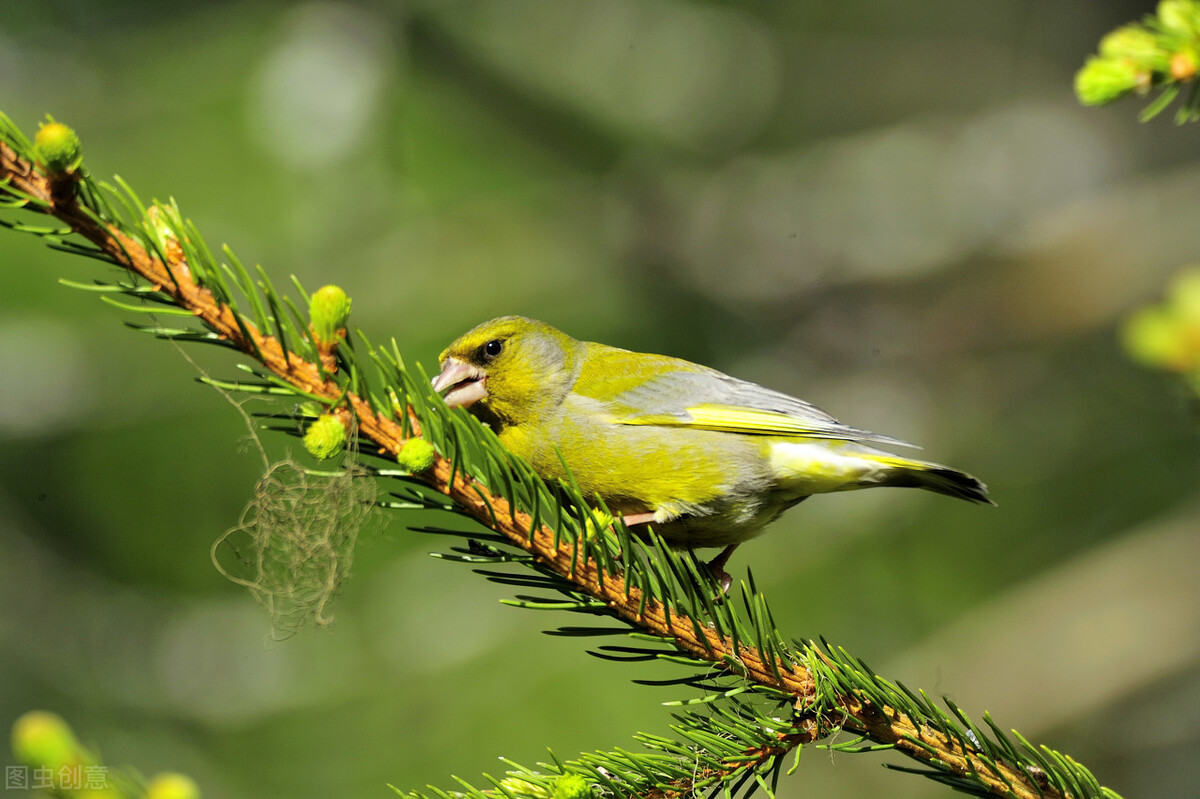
(756, 697)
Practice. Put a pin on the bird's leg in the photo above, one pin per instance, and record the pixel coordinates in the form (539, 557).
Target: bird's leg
(717, 567)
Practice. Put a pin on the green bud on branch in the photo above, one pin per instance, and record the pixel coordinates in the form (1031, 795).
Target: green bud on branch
(172, 785)
(325, 437)
(41, 739)
(1180, 17)
(328, 311)
(416, 455)
(1103, 80)
(1160, 52)
(572, 786)
(1167, 335)
(57, 148)
(523, 788)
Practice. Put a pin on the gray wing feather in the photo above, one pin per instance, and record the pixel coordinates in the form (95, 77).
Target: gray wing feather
(672, 394)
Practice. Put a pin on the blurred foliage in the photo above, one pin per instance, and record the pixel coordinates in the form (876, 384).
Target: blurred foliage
(898, 213)
(1162, 52)
(54, 765)
(1167, 335)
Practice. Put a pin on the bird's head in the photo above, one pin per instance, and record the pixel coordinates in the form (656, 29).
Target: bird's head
(509, 370)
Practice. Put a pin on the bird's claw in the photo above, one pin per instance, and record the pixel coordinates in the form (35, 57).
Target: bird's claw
(716, 567)
(723, 578)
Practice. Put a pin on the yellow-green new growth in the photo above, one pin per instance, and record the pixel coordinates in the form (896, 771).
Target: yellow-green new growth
(416, 455)
(1180, 17)
(328, 311)
(325, 437)
(1135, 44)
(1103, 80)
(172, 785)
(1167, 335)
(41, 739)
(571, 786)
(1160, 51)
(57, 148)
(523, 788)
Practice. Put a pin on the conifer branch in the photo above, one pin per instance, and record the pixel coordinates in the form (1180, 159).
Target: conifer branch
(1161, 53)
(576, 551)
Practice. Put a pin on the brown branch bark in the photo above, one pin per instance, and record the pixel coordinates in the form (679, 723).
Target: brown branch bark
(884, 725)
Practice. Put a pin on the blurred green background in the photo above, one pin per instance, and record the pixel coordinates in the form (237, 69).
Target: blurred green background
(896, 211)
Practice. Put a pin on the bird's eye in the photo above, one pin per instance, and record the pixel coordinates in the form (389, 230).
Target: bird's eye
(492, 348)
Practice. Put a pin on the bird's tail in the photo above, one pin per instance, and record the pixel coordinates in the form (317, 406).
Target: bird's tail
(933, 477)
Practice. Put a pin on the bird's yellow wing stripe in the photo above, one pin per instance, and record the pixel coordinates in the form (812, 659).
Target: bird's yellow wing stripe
(733, 419)
(755, 421)
(749, 420)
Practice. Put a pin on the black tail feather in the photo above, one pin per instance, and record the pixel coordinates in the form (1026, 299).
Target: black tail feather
(941, 480)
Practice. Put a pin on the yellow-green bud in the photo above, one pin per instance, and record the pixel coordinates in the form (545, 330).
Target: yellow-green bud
(328, 310)
(157, 216)
(325, 437)
(1152, 337)
(171, 785)
(1102, 80)
(57, 148)
(524, 788)
(1180, 16)
(601, 522)
(1168, 335)
(416, 455)
(1184, 296)
(44, 740)
(1136, 44)
(572, 786)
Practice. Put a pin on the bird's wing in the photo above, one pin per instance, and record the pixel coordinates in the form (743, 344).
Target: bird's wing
(642, 389)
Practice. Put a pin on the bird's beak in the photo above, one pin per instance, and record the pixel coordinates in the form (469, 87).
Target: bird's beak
(462, 383)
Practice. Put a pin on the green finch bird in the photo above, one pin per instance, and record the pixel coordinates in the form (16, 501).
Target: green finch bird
(708, 460)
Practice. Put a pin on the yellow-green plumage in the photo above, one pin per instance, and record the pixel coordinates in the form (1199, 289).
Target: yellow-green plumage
(708, 459)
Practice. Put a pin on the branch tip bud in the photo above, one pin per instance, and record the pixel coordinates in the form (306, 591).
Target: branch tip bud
(172, 785)
(57, 148)
(328, 311)
(41, 739)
